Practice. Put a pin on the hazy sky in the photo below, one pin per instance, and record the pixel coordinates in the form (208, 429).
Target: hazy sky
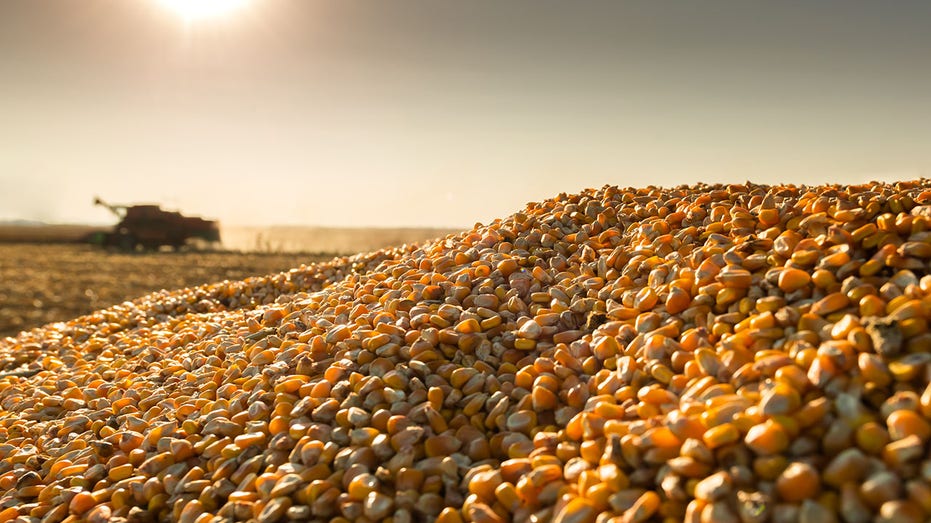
(445, 113)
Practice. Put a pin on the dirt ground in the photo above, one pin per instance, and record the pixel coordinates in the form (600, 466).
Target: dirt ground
(46, 283)
(48, 275)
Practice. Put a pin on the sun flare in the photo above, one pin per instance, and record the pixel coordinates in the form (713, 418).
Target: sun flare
(192, 10)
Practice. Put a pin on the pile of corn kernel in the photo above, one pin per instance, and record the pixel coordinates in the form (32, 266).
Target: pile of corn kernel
(710, 353)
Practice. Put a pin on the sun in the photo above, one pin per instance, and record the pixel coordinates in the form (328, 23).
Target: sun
(192, 10)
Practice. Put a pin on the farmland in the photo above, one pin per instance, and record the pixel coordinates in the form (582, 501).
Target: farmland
(43, 280)
(55, 282)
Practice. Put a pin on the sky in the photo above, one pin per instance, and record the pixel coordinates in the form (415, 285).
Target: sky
(446, 113)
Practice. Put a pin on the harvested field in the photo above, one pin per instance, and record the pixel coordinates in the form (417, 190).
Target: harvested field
(43, 283)
(703, 354)
(46, 233)
(47, 275)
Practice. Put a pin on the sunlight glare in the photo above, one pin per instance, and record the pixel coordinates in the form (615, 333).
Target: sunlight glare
(192, 10)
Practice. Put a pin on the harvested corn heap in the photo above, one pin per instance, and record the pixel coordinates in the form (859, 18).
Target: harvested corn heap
(708, 353)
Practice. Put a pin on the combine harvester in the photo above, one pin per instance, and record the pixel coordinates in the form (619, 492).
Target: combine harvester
(150, 227)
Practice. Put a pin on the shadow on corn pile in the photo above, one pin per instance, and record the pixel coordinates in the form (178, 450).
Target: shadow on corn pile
(708, 353)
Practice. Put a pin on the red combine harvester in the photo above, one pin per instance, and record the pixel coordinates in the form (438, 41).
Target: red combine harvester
(150, 227)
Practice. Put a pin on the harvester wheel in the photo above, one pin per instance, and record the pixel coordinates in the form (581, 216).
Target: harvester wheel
(127, 242)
